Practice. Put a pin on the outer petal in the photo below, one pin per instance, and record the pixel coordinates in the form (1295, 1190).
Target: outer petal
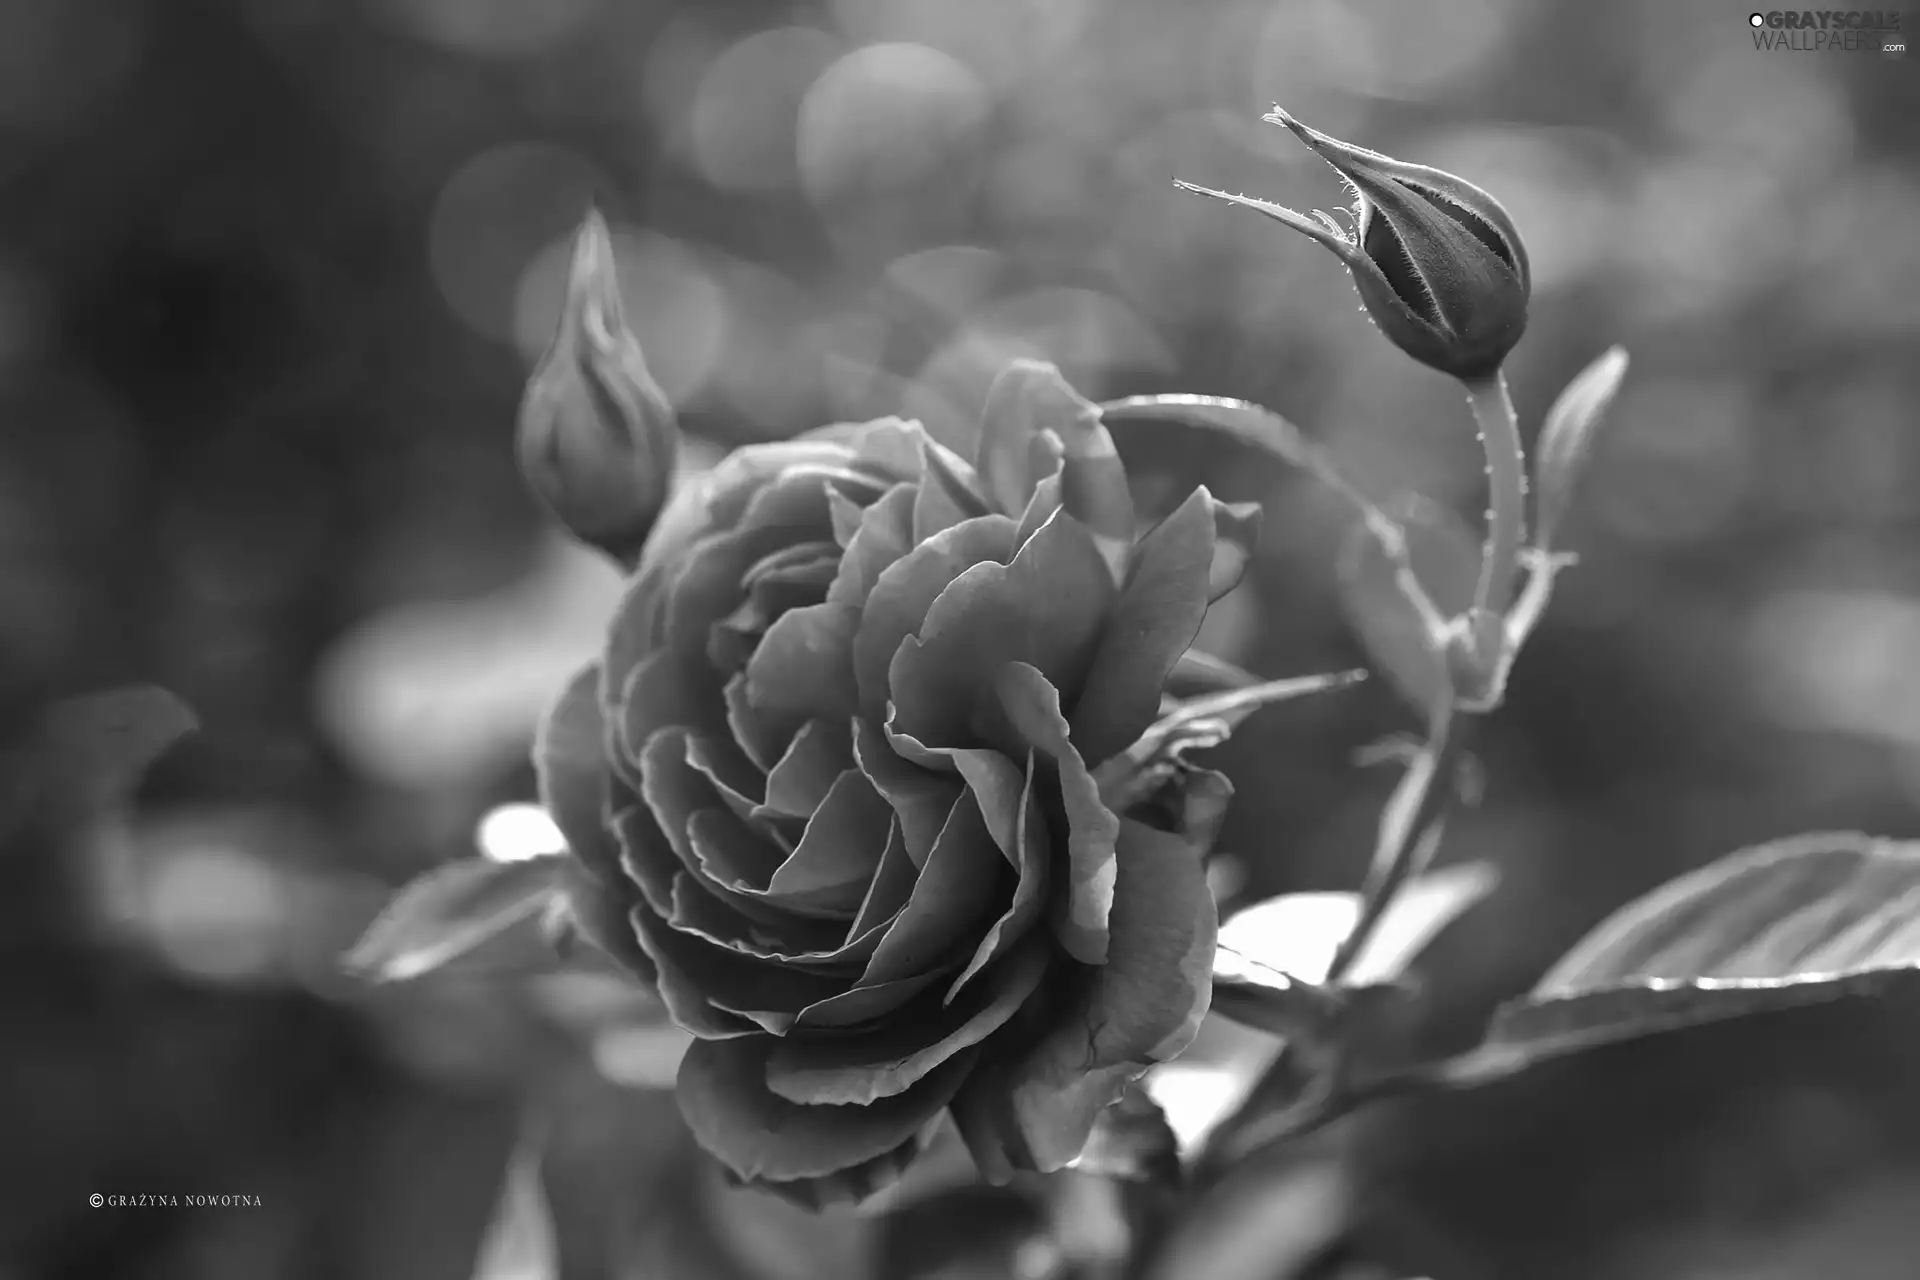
(1027, 845)
(601, 916)
(761, 1136)
(1034, 1110)
(1081, 914)
(569, 758)
(1154, 621)
(1026, 400)
(861, 1068)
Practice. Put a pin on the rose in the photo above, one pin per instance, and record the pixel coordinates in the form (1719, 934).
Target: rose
(830, 789)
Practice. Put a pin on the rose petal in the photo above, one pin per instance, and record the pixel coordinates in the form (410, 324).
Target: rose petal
(922, 799)
(863, 1004)
(964, 876)
(1046, 500)
(1028, 847)
(846, 1186)
(945, 494)
(1010, 455)
(717, 987)
(1153, 622)
(889, 446)
(569, 760)
(792, 578)
(668, 688)
(1046, 609)
(840, 852)
(721, 762)
(801, 564)
(699, 507)
(814, 945)
(1035, 1110)
(862, 1068)
(686, 1004)
(763, 735)
(892, 885)
(884, 535)
(845, 515)
(723, 1094)
(718, 498)
(899, 601)
(600, 915)
(819, 753)
(791, 508)
(803, 667)
(729, 852)
(1032, 706)
(646, 856)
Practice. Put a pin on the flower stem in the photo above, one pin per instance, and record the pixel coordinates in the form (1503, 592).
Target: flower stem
(1507, 491)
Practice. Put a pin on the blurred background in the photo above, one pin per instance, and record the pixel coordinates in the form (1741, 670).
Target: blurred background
(272, 273)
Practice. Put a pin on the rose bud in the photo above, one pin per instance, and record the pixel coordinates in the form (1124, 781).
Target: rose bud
(1437, 261)
(830, 791)
(597, 436)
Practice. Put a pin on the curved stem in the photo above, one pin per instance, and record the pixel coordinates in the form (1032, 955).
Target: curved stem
(1507, 491)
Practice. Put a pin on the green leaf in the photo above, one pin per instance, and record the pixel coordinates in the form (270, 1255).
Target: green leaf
(448, 912)
(1805, 920)
(1567, 438)
(1780, 1144)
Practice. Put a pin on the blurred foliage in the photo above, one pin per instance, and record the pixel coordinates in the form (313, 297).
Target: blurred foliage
(272, 273)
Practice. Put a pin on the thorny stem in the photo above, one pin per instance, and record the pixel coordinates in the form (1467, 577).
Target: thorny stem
(1507, 491)
(1409, 833)
(1410, 826)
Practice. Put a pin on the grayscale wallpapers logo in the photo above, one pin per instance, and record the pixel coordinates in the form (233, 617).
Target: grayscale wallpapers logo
(1830, 31)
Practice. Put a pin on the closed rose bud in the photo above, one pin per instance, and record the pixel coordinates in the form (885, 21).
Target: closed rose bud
(1437, 261)
(597, 436)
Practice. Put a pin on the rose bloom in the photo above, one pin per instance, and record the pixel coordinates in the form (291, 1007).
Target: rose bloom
(830, 792)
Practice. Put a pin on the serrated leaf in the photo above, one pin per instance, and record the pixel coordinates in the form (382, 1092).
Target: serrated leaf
(1567, 438)
(1782, 1144)
(520, 1243)
(105, 741)
(1804, 920)
(448, 912)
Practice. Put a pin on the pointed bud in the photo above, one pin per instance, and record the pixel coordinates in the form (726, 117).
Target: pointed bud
(1437, 261)
(597, 437)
